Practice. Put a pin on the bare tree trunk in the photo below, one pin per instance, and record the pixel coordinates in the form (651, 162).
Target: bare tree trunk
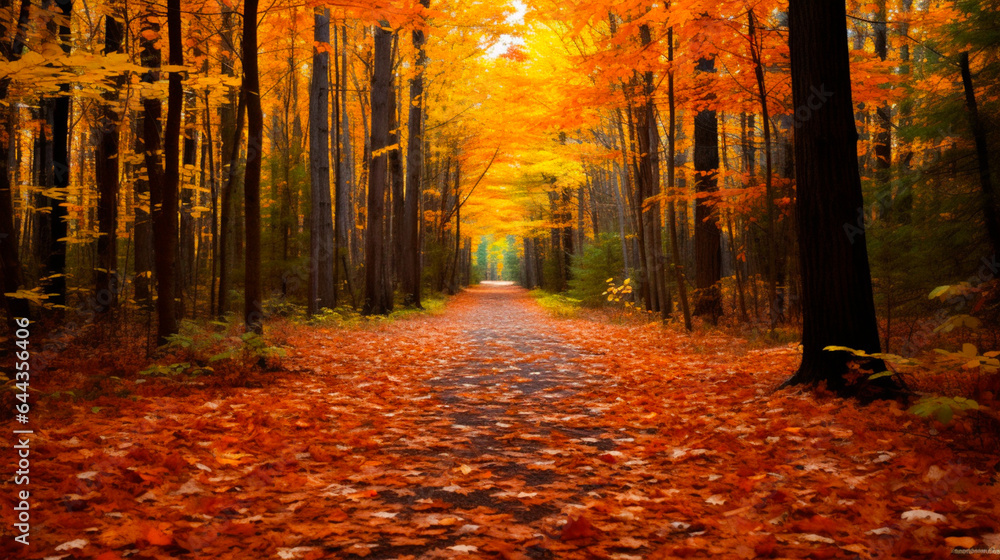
(344, 224)
(982, 155)
(322, 248)
(410, 265)
(772, 247)
(649, 189)
(396, 181)
(253, 304)
(231, 115)
(55, 262)
(10, 261)
(106, 175)
(165, 204)
(837, 304)
(708, 245)
(376, 302)
(671, 180)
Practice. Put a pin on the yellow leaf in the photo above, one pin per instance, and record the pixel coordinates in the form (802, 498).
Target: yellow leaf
(960, 542)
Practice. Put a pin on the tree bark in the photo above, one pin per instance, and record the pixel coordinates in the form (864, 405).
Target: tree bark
(10, 270)
(321, 231)
(756, 44)
(376, 302)
(106, 175)
(707, 237)
(982, 155)
(671, 180)
(253, 303)
(55, 262)
(649, 188)
(837, 304)
(231, 115)
(410, 269)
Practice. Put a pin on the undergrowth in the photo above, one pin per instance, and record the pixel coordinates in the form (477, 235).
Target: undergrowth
(558, 305)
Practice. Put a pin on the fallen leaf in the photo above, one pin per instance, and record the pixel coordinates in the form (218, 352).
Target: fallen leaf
(577, 528)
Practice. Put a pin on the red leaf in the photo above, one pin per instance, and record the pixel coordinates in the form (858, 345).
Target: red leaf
(579, 528)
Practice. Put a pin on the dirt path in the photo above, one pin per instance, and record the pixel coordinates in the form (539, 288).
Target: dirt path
(496, 431)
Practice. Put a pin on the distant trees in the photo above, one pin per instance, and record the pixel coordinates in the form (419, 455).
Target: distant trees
(107, 196)
(635, 127)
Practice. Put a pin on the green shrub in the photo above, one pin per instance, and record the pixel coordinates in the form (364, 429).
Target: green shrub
(600, 261)
(556, 304)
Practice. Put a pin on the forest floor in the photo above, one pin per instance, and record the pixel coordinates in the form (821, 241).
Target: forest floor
(494, 430)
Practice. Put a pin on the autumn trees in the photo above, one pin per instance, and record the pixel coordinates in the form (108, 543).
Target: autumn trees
(751, 202)
(438, 143)
(321, 235)
(156, 162)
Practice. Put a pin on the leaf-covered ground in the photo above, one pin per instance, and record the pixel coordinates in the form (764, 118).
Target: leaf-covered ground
(496, 431)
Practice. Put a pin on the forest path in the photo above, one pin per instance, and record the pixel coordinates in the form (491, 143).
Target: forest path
(493, 430)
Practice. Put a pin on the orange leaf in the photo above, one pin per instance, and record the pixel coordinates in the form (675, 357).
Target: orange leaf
(157, 537)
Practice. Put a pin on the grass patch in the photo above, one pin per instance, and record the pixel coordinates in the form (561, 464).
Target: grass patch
(348, 317)
(557, 304)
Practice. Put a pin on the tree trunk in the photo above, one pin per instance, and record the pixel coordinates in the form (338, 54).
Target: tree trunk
(11, 261)
(376, 302)
(410, 264)
(344, 215)
(231, 115)
(671, 179)
(106, 175)
(707, 237)
(772, 248)
(253, 303)
(649, 188)
(396, 180)
(55, 262)
(837, 304)
(209, 150)
(321, 231)
(982, 155)
(883, 137)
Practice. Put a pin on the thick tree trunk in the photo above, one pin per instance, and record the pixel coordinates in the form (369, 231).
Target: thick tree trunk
(649, 181)
(106, 175)
(10, 261)
(253, 303)
(321, 231)
(376, 302)
(837, 304)
(55, 262)
(165, 223)
(410, 268)
(707, 237)
(152, 110)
